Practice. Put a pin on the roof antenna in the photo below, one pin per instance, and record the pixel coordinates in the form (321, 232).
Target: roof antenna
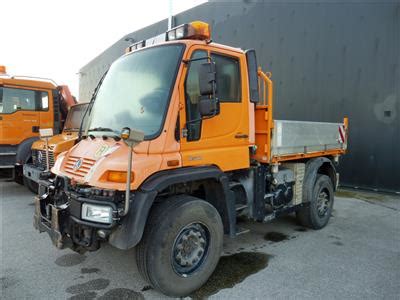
(170, 16)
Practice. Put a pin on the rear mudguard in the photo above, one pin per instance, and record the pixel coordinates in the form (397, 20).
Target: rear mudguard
(313, 167)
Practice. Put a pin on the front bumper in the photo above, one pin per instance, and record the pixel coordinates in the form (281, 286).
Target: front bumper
(32, 172)
(52, 225)
(63, 222)
(58, 212)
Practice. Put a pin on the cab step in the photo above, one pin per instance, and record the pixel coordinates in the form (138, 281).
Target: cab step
(240, 207)
(241, 230)
(234, 184)
(8, 153)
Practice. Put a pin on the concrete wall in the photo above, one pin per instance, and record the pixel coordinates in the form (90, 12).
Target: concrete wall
(328, 60)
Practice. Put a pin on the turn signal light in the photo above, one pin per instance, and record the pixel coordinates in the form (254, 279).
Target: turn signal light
(118, 176)
(125, 133)
(173, 163)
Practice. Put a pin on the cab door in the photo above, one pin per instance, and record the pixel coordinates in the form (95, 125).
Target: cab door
(46, 106)
(19, 113)
(222, 140)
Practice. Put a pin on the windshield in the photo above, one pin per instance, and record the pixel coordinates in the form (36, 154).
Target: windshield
(74, 117)
(136, 90)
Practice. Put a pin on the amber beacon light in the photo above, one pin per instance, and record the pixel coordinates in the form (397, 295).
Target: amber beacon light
(195, 30)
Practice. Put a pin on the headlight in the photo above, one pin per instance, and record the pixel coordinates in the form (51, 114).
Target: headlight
(97, 213)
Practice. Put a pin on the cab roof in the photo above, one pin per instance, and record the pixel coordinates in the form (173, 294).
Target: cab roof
(26, 81)
(191, 42)
(192, 33)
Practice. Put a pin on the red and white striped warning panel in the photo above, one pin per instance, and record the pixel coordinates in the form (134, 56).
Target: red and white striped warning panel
(342, 134)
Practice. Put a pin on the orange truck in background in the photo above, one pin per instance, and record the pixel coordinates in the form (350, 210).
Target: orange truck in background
(28, 104)
(56, 144)
(180, 140)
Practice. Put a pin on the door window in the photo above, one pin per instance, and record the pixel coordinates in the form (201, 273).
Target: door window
(228, 78)
(12, 100)
(192, 96)
(44, 100)
(228, 88)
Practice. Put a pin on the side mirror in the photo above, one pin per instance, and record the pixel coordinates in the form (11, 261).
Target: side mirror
(208, 103)
(207, 79)
(253, 75)
(208, 107)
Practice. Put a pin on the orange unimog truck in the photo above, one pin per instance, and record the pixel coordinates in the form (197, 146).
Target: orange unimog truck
(28, 104)
(181, 140)
(56, 144)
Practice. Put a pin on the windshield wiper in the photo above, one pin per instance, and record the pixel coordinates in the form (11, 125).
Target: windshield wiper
(101, 129)
(89, 107)
(72, 129)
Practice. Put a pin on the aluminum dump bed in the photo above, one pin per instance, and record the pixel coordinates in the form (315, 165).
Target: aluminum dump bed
(299, 137)
(281, 140)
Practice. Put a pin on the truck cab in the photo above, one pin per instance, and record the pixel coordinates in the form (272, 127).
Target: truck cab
(27, 104)
(180, 140)
(55, 145)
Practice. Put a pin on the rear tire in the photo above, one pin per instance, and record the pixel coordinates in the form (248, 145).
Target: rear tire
(31, 185)
(181, 245)
(316, 215)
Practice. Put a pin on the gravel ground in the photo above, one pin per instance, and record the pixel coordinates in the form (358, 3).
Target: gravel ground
(356, 256)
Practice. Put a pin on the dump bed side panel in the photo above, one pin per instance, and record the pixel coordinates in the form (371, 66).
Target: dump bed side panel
(299, 137)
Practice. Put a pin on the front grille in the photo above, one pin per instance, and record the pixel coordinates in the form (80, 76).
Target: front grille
(39, 158)
(82, 170)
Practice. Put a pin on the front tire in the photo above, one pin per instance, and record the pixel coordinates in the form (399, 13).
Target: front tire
(316, 215)
(181, 245)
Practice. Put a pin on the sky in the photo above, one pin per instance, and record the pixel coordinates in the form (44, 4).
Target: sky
(55, 38)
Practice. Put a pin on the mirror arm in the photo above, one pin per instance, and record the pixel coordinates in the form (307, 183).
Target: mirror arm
(192, 121)
(188, 61)
(200, 119)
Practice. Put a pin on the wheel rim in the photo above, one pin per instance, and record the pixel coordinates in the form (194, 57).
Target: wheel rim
(323, 201)
(190, 249)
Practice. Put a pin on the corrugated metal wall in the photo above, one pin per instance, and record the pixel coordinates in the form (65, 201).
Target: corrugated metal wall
(328, 60)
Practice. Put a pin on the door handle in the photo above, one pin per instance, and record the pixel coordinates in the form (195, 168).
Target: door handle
(241, 136)
(35, 129)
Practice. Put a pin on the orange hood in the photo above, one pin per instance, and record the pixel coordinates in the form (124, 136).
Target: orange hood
(89, 160)
(58, 143)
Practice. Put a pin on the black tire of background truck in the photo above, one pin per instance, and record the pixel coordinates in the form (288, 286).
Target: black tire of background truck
(309, 215)
(155, 255)
(18, 175)
(31, 185)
